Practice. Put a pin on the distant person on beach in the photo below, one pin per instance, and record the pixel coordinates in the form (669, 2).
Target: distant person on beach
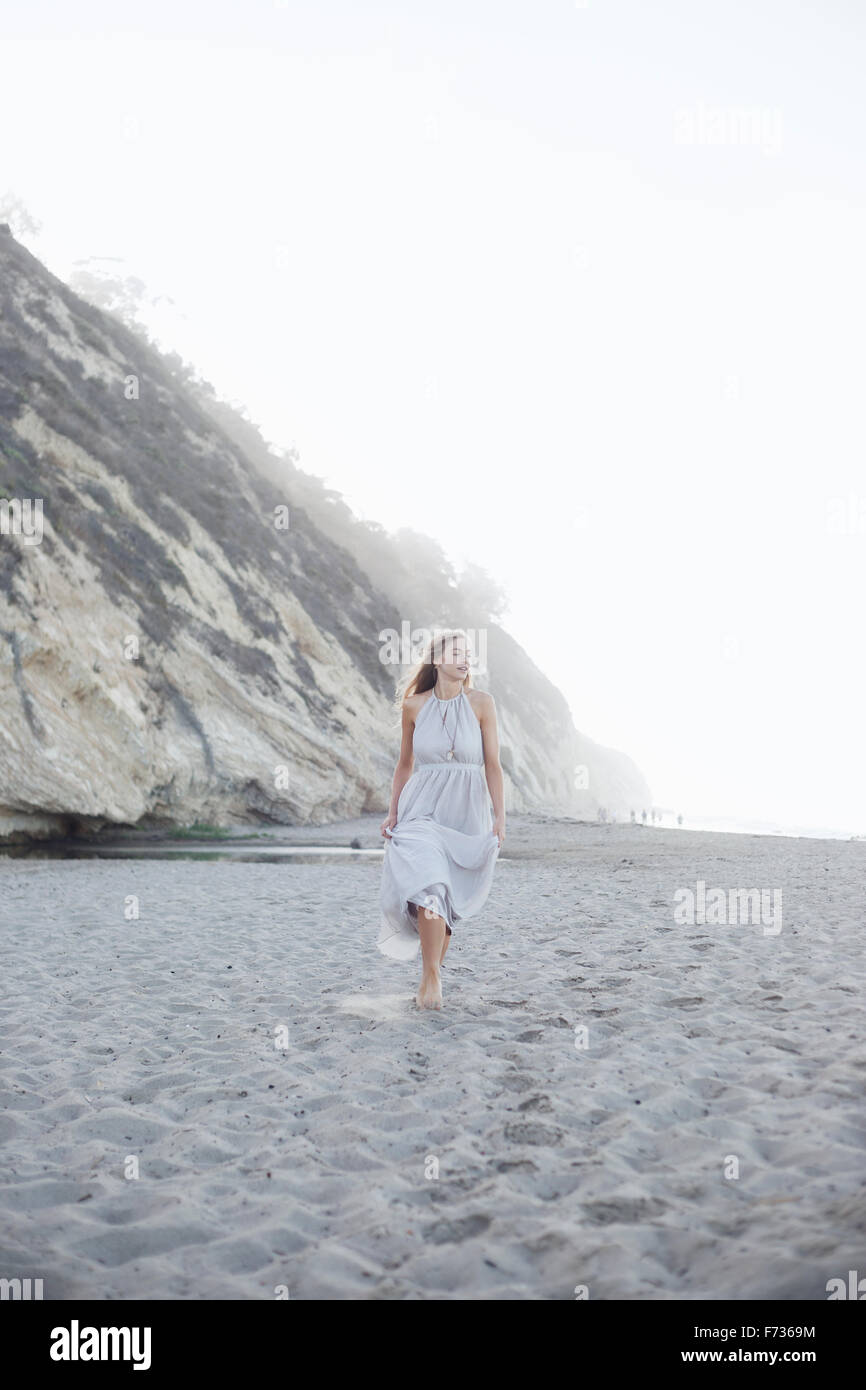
(441, 837)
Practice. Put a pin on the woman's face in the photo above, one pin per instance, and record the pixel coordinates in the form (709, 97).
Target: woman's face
(455, 659)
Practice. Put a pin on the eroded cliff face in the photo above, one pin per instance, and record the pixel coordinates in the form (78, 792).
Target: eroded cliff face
(179, 640)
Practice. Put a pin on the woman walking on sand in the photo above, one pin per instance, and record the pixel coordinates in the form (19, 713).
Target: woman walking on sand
(441, 840)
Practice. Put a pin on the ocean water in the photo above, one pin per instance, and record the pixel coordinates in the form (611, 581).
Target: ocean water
(731, 825)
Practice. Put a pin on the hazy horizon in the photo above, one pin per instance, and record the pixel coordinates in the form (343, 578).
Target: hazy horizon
(574, 289)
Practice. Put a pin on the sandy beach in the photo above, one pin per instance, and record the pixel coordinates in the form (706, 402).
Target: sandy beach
(233, 1096)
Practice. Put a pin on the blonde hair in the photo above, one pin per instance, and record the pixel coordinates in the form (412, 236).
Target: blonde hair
(423, 674)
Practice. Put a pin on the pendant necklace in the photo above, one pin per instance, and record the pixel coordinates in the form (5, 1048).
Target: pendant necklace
(450, 754)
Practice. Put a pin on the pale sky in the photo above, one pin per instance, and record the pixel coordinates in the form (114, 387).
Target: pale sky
(576, 289)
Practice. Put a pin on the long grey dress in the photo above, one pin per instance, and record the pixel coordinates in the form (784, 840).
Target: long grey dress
(442, 852)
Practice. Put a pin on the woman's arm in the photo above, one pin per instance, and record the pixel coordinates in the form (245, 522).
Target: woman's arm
(405, 763)
(492, 765)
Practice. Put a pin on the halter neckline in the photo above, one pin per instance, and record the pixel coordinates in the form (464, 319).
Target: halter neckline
(450, 700)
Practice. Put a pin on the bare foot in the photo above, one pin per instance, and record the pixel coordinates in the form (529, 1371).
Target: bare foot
(429, 994)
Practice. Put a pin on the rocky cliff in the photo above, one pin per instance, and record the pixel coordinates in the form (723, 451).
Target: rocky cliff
(189, 626)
